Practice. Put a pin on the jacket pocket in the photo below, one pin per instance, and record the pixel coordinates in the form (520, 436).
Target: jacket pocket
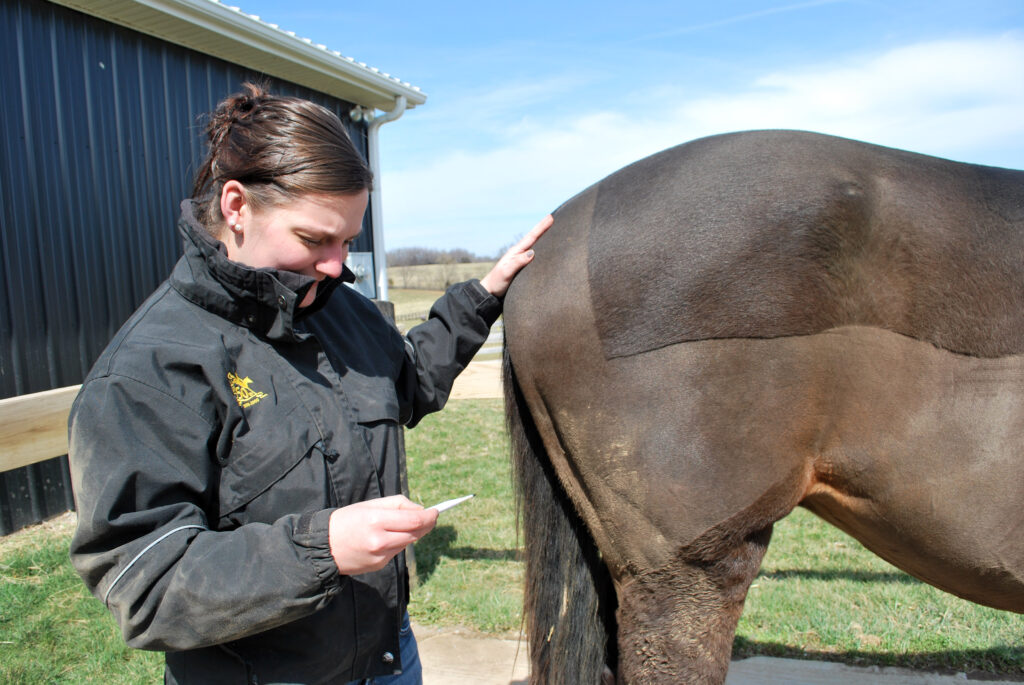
(272, 469)
(372, 399)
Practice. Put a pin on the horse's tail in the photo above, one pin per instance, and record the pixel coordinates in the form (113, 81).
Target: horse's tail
(569, 602)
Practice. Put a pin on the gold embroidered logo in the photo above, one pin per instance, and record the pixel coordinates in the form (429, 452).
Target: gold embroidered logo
(245, 395)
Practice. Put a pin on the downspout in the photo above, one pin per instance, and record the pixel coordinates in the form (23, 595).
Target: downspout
(380, 266)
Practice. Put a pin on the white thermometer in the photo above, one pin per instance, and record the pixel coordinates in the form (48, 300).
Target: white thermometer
(448, 504)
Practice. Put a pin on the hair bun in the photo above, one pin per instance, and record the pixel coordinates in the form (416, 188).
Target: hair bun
(243, 104)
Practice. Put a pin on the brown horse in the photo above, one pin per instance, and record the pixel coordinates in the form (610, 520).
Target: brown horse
(734, 327)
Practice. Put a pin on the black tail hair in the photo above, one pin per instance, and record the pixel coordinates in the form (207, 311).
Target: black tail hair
(569, 601)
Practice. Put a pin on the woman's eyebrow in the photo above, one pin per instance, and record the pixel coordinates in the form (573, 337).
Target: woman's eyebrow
(319, 231)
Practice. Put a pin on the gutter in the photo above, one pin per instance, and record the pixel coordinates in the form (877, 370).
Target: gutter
(214, 28)
(380, 266)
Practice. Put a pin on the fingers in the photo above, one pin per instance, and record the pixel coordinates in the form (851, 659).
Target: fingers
(392, 502)
(536, 232)
(364, 536)
(530, 238)
(404, 520)
(519, 255)
(512, 263)
(397, 513)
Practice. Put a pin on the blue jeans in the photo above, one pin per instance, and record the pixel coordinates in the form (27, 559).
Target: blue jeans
(412, 669)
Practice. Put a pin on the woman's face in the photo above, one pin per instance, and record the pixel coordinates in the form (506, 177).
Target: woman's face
(310, 235)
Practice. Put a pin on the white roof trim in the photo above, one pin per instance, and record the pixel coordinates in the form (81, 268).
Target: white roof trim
(228, 33)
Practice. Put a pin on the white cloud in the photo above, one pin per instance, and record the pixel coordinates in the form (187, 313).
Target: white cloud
(962, 99)
(943, 98)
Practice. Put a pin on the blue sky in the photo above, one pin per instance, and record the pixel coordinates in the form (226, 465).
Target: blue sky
(530, 102)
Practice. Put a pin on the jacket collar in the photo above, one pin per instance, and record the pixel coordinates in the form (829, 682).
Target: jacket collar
(262, 300)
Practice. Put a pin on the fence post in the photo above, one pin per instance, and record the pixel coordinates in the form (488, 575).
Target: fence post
(388, 310)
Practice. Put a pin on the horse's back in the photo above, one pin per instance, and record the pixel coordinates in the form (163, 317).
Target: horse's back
(770, 234)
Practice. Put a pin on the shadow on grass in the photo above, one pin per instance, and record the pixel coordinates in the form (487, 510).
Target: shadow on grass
(440, 543)
(979, 664)
(853, 575)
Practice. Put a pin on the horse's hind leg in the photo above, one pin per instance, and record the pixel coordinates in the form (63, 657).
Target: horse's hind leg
(676, 623)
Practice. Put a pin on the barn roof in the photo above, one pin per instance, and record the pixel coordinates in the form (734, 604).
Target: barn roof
(228, 33)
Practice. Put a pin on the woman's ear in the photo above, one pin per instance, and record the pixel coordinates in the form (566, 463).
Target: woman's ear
(232, 203)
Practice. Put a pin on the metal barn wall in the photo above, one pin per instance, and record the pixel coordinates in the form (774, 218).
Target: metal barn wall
(100, 138)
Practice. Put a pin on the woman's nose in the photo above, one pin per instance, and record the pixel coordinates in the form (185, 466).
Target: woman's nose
(331, 263)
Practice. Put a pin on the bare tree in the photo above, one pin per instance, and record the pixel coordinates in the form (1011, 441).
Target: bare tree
(416, 256)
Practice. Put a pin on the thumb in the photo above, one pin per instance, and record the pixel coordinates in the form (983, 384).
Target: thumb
(394, 502)
(522, 259)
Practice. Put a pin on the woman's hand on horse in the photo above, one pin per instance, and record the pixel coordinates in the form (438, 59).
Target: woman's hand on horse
(518, 256)
(365, 536)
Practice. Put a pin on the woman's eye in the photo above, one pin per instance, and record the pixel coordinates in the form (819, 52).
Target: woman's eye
(312, 242)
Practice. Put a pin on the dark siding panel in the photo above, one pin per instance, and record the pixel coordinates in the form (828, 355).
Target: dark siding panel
(101, 135)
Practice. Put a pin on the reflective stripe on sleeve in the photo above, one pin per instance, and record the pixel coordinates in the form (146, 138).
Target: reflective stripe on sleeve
(139, 556)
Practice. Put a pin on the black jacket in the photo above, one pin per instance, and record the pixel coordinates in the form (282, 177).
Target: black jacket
(212, 440)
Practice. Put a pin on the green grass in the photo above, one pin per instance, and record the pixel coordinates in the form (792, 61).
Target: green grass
(468, 571)
(820, 595)
(51, 629)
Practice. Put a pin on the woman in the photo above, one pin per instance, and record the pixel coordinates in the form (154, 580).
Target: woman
(234, 450)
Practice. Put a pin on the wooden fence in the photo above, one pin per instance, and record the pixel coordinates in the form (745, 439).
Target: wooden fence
(34, 428)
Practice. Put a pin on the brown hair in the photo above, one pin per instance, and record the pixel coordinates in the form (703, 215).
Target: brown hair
(279, 148)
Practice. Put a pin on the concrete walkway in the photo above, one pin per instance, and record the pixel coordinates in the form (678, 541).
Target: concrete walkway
(479, 380)
(457, 658)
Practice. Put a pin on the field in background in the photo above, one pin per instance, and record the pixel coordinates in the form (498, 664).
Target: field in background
(412, 301)
(435, 276)
(820, 594)
(412, 306)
